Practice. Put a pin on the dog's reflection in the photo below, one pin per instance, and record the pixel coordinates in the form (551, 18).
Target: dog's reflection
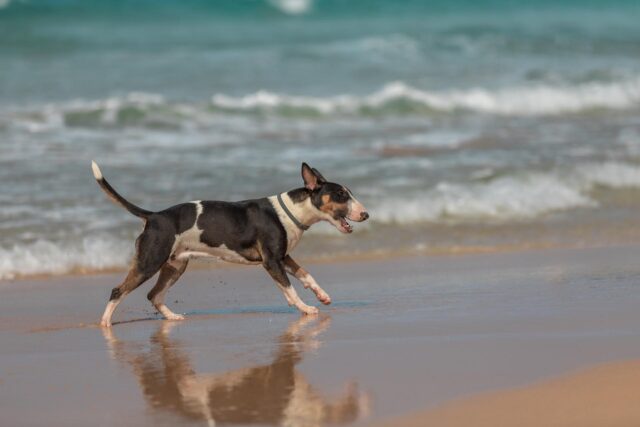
(273, 394)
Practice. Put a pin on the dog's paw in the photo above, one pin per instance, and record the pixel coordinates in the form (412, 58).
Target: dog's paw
(174, 316)
(324, 298)
(309, 310)
(105, 323)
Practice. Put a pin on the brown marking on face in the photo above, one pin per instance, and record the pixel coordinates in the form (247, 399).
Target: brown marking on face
(332, 208)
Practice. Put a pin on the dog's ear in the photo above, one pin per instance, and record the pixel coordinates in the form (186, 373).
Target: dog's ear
(321, 179)
(312, 178)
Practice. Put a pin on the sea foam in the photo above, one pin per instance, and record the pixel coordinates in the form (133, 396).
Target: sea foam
(509, 198)
(46, 257)
(608, 174)
(503, 199)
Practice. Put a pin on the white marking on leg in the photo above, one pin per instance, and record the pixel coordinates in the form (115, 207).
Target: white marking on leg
(167, 313)
(310, 283)
(158, 303)
(108, 312)
(286, 295)
(291, 295)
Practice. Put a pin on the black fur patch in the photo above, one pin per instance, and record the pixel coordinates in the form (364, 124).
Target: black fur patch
(251, 228)
(299, 194)
(187, 217)
(155, 243)
(115, 294)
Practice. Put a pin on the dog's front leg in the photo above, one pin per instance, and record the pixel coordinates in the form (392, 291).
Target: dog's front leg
(307, 280)
(275, 268)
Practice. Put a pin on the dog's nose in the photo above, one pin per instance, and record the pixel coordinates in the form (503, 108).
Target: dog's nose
(364, 216)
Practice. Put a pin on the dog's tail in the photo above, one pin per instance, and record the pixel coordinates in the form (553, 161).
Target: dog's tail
(117, 198)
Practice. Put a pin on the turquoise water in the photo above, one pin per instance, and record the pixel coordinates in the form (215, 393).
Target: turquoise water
(457, 123)
(61, 50)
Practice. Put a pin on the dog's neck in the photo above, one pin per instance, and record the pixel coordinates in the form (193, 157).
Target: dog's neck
(303, 210)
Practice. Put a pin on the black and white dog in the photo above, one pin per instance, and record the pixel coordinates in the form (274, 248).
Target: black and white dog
(261, 231)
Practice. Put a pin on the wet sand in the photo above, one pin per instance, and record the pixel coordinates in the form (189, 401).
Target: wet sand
(433, 334)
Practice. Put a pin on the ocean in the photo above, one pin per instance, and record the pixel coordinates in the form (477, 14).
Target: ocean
(461, 125)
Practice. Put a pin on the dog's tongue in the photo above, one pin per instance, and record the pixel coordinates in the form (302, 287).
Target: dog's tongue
(346, 227)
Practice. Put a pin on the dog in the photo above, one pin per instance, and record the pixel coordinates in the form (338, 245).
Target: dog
(273, 393)
(259, 231)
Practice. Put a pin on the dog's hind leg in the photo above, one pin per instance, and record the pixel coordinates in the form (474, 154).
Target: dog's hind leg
(134, 279)
(153, 248)
(169, 274)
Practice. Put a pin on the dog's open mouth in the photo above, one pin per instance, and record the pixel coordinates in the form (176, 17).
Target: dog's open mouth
(345, 227)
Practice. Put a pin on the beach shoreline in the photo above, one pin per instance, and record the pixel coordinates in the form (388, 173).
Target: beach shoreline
(204, 264)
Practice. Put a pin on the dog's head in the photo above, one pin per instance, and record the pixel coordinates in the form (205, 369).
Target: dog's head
(334, 202)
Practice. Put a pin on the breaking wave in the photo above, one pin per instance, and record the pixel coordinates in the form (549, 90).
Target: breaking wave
(154, 111)
(510, 198)
(45, 257)
(504, 199)
(399, 97)
(292, 7)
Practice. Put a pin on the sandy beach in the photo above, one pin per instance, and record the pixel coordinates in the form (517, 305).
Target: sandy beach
(502, 337)
(600, 396)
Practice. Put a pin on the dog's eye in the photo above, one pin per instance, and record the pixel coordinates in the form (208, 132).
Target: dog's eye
(342, 194)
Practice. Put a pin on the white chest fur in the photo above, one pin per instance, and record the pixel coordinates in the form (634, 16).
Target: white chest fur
(294, 234)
